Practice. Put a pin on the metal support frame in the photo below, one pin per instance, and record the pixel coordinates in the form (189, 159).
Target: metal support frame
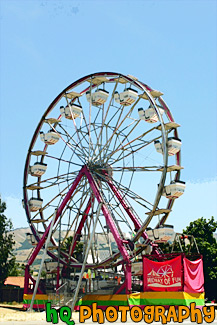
(107, 216)
(86, 256)
(96, 191)
(120, 243)
(131, 215)
(80, 227)
(42, 261)
(127, 285)
(59, 211)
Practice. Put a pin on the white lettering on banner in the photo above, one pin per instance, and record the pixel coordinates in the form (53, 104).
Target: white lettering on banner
(164, 277)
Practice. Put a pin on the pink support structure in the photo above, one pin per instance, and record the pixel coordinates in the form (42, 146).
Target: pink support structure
(127, 285)
(126, 207)
(130, 214)
(120, 242)
(84, 218)
(107, 216)
(59, 211)
(122, 287)
(128, 276)
(43, 239)
(26, 281)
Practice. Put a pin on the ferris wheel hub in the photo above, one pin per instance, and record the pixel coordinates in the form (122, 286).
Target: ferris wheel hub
(101, 168)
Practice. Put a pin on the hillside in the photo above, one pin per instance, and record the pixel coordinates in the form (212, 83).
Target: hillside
(23, 248)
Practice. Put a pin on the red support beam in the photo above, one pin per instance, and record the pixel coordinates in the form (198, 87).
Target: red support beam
(107, 216)
(26, 281)
(130, 214)
(58, 213)
(84, 218)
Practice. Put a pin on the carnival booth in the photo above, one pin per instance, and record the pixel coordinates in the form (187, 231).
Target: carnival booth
(176, 281)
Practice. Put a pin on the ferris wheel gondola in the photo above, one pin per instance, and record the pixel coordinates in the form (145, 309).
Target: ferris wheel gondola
(93, 147)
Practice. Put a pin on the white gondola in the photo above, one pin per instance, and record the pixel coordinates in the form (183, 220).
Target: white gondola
(38, 169)
(149, 115)
(50, 137)
(127, 97)
(35, 204)
(163, 234)
(71, 111)
(174, 190)
(174, 146)
(99, 97)
(158, 146)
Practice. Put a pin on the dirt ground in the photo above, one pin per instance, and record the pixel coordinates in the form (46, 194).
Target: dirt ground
(15, 313)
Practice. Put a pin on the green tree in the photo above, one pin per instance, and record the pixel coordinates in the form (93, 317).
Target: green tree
(78, 247)
(16, 270)
(203, 231)
(7, 259)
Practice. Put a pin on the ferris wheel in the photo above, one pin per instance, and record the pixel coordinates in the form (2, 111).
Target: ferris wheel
(165, 271)
(105, 157)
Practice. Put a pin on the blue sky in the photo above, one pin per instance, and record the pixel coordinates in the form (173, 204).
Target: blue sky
(170, 45)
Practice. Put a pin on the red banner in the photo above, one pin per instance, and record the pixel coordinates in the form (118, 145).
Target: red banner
(193, 276)
(162, 276)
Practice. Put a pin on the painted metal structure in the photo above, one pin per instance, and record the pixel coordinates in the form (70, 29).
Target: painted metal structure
(94, 163)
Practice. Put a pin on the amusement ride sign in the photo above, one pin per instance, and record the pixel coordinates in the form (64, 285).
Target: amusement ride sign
(162, 276)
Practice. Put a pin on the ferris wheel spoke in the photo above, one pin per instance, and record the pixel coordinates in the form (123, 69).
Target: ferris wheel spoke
(104, 117)
(137, 169)
(133, 195)
(84, 137)
(68, 206)
(73, 146)
(86, 192)
(82, 201)
(126, 136)
(118, 110)
(87, 127)
(76, 218)
(114, 130)
(118, 125)
(135, 150)
(48, 204)
(129, 193)
(75, 125)
(124, 203)
(48, 184)
(64, 160)
(55, 177)
(117, 206)
(100, 110)
(76, 146)
(139, 138)
(61, 194)
(57, 183)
